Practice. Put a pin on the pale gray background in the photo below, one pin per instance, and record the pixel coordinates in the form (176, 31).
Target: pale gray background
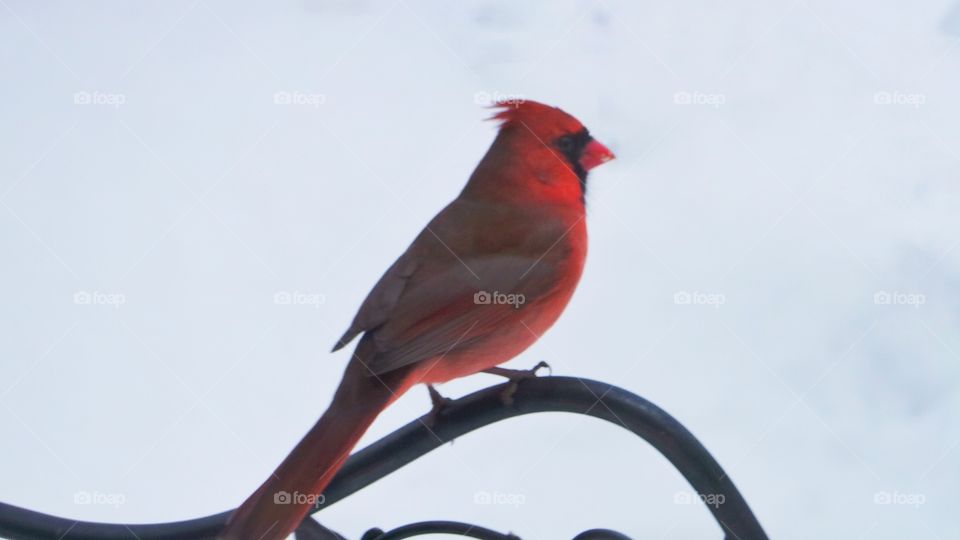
(797, 198)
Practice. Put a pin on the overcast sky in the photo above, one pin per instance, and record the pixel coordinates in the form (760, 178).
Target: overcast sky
(773, 254)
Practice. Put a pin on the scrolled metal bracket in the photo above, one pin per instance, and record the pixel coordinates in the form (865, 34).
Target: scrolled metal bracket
(481, 408)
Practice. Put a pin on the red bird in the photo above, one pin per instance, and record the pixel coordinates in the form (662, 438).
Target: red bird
(481, 283)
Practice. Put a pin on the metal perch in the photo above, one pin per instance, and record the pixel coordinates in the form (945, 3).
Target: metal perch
(482, 408)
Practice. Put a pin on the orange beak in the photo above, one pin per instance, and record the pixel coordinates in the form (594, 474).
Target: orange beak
(595, 154)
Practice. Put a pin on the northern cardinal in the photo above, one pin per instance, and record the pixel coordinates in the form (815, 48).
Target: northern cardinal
(481, 283)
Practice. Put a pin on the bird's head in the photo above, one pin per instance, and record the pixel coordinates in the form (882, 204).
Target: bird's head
(552, 140)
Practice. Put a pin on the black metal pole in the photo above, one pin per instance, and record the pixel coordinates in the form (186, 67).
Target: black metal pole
(545, 394)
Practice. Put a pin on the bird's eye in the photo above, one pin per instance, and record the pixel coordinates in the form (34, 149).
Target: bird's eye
(565, 143)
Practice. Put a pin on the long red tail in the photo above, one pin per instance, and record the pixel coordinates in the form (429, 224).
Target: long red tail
(278, 506)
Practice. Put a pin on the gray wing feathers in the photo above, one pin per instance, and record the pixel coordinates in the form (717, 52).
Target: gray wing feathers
(437, 315)
(377, 306)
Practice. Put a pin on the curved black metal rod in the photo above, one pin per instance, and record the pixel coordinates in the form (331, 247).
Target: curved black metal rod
(545, 394)
(471, 531)
(438, 527)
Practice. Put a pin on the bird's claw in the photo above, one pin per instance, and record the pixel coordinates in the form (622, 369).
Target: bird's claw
(440, 403)
(515, 376)
(541, 365)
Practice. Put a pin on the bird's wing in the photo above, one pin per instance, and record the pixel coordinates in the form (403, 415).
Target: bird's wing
(381, 299)
(462, 304)
(424, 305)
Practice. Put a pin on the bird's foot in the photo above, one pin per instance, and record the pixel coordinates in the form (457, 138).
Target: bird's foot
(515, 376)
(440, 403)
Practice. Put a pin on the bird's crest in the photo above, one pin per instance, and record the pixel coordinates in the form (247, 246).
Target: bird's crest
(532, 115)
